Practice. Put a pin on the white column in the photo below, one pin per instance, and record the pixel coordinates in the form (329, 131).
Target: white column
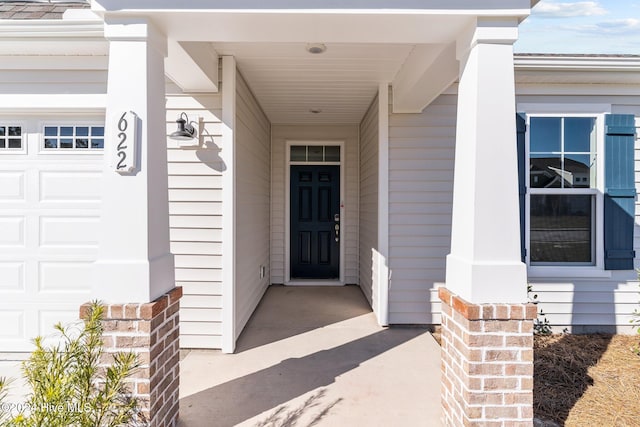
(484, 264)
(134, 263)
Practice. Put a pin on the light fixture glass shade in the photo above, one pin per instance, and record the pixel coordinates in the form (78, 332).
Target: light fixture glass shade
(185, 131)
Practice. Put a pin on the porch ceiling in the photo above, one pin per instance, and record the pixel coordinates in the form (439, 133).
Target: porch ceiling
(289, 82)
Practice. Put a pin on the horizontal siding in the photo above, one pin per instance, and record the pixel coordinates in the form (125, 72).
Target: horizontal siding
(253, 181)
(421, 158)
(349, 222)
(368, 220)
(195, 218)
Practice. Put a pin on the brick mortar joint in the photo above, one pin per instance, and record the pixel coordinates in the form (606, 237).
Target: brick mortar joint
(476, 312)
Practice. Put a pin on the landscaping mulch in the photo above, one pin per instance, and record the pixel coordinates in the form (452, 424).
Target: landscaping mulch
(587, 380)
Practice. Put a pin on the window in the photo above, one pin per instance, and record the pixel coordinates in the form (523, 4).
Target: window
(10, 137)
(315, 153)
(563, 190)
(70, 137)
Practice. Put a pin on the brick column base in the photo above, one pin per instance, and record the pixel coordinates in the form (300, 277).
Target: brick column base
(487, 363)
(151, 330)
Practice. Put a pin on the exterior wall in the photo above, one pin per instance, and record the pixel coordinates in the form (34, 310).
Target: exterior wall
(195, 215)
(588, 304)
(421, 153)
(253, 181)
(279, 135)
(368, 220)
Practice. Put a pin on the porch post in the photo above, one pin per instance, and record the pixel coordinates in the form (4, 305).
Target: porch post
(487, 339)
(134, 273)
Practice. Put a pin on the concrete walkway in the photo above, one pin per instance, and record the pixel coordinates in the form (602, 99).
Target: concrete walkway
(314, 356)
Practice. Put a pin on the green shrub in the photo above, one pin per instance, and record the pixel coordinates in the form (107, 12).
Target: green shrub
(68, 385)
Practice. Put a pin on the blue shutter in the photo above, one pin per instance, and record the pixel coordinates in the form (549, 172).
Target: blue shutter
(521, 126)
(620, 192)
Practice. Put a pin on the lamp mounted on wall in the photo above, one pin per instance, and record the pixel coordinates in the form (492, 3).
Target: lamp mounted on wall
(185, 132)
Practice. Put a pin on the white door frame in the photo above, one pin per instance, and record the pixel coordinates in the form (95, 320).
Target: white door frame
(287, 213)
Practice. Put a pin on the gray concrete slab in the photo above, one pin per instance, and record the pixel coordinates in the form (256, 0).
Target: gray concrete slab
(315, 356)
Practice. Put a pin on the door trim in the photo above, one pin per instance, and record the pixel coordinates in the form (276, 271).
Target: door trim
(287, 212)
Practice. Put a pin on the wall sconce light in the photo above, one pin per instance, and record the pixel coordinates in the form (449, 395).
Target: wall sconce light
(185, 132)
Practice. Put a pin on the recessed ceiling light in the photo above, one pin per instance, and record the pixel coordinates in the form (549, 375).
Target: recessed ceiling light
(316, 48)
(315, 111)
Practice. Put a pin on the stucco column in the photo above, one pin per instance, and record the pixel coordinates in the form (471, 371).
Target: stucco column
(134, 263)
(484, 265)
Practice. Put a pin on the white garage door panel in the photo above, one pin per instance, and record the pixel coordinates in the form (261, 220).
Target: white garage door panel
(49, 226)
(69, 231)
(12, 277)
(12, 186)
(64, 277)
(69, 186)
(12, 231)
(12, 324)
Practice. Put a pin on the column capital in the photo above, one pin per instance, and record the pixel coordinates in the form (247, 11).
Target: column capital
(487, 30)
(135, 30)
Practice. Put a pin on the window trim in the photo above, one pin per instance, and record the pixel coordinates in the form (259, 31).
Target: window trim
(70, 123)
(569, 269)
(23, 137)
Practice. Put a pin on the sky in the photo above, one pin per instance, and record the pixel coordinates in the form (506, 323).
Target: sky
(585, 27)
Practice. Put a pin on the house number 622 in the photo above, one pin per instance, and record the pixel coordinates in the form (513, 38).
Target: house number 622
(125, 150)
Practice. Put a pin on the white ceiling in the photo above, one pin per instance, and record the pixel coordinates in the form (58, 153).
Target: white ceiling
(288, 81)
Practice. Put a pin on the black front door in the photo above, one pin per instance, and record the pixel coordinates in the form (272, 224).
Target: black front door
(315, 222)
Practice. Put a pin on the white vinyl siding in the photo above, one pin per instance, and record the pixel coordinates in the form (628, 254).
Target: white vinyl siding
(279, 169)
(368, 230)
(195, 218)
(421, 158)
(253, 181)
(591, 303)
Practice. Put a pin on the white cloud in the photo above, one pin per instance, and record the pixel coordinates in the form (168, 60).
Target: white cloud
(616, 27)
(550, 9)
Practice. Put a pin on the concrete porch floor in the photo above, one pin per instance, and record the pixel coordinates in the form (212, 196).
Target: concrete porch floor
(314, 356)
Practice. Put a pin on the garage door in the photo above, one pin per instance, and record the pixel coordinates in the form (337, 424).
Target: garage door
(50, 170)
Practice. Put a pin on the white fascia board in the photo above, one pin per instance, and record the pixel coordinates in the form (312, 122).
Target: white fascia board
(577, 62)
(426, 73)
(53, 62)
(59, 102)
(192, 66)
(22, 29)
(487, 7)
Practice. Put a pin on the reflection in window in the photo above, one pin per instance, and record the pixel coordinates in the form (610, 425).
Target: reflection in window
(74, 137)
(10, 137)
(562, 152)
(314, 153)
(562, 228)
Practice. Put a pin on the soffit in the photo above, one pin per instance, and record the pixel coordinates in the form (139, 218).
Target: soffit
(288, 81)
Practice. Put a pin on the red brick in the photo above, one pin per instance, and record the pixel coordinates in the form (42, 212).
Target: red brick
(85, 310)
(518, 398)
(116, 311)
(501, 312)
(484, 368)
(500, 384)
(531, 311)
(526, 355)
(175, 294)
(500, 355)
(517, 312)
(485, 340)
(445, 295)
(488, 312)
(519, 341)
(496, 412)
(518, 369)
(131, 311)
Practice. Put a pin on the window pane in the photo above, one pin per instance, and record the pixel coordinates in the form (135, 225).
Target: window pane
(2, 143)
(66, 131)
(50, 131)
(3, 130)
(545, 134)
(545, 171)
(561, 229)
(579, 134)
(97, 131)
(332, 154)
(298, 153)
(15, 131)
(15, 143)
(316, 153)
(578, 171)
(82, 143)
(97, 143)
(82, 131)
(50, 143)
(66, 143)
